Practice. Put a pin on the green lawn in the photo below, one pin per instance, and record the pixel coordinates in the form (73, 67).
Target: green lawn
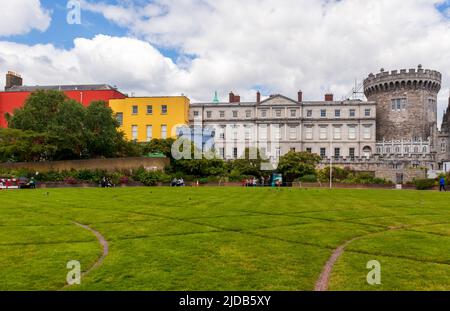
(224, 238)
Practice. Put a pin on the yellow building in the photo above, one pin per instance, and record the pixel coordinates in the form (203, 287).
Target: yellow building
(146, 118)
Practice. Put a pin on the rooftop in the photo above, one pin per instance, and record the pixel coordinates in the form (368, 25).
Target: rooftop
(79, 87)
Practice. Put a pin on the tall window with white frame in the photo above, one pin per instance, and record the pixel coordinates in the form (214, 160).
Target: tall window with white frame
(398, 104)
(149, 132)
(323, 152)
(164, 109)
(119, 118)
(367, 132)
(309, 132)
(163, 131)
(134, 132)
(323, 132)
(337, 132)
(352, 132)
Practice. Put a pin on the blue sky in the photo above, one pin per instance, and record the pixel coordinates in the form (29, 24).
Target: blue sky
(61, 34)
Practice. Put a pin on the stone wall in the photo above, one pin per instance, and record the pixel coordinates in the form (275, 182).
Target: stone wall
(407, 175)
(102, 164)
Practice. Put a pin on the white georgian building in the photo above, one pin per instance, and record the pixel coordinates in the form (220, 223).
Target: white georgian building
(342, 129)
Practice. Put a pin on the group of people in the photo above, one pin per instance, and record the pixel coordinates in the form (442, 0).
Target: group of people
(254, 182)
(177, 182)
(106, 183)
(21, 183)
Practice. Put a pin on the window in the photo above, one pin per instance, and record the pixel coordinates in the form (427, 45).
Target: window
(119, 117)
(235, 114)
(134, 110)
(352, 112)
(222, 114)
(278, 113)
(351, 153)
(209, 114)
(247, 133)
(164, 109)
(323, 113)
(149, 109)
(293, 132)
(149, 132)
(277, 132)
(398, 104)
(292, 149)
(337, 113)
(352, 132)
(263, 132)
(309, 150)
(323, 152)
(134, 132)
(293, 113)
(263, 113)
(222, 153)
(337, 132)
(235, 132)
(235, 152)
(424, 149)
(432, 105)
(163, 131)
(196, 113)
(367, 112)
(309, 113)
(406, 149)
(308, 132)
(367, 132)
(248, 114)
(323, 132)
(278, 152)
(337, 152)
(222, 132)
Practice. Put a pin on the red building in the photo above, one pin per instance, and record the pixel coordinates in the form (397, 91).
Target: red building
(14, 96)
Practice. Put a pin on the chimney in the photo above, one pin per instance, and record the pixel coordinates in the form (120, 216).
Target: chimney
(329, 97)
(13, 79)
(258, 97)
(300, 96)
(237, 99)
(231, 97)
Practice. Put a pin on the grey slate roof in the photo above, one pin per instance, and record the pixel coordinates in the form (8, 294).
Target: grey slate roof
(81, 87)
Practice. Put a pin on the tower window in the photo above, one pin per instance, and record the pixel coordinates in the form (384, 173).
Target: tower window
(398, 104)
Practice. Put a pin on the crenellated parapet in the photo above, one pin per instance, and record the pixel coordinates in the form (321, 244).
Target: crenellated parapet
(412, 79)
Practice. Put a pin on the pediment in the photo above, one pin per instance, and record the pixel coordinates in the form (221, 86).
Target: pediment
(278, 100)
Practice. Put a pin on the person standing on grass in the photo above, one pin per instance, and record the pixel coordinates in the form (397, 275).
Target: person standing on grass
(442, 184)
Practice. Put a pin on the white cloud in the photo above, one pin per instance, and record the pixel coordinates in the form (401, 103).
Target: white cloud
(20, 16)
(279, 45)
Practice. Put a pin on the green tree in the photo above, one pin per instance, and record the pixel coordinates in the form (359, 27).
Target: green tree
(103, 137)
(249, 164)
(76, 131)
(298, 164)
(25, 146)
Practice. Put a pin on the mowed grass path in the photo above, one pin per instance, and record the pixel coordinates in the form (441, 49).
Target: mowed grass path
(224, 238)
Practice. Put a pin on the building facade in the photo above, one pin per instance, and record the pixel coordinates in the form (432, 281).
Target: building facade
(16, 94)
(338, 129)
(145, 118)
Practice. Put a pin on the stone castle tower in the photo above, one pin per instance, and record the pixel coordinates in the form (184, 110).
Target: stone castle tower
(406, 103)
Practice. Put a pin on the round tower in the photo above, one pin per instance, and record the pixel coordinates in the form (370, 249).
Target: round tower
(406, 103)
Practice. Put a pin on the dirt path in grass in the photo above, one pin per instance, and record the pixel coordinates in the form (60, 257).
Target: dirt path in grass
(101, 239)
(324, 278)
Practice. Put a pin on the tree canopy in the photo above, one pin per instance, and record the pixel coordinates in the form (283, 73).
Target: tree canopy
(298, 164)
(72, 131)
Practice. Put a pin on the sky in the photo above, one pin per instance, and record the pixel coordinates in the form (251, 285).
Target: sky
(197, 47)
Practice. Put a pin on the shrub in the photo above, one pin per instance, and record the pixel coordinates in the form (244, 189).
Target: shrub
(308, 179)
(124, 180)
(424, 184)
(71, 180)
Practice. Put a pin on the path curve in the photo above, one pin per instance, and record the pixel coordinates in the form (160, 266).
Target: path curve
(103, 242)
(324, 279)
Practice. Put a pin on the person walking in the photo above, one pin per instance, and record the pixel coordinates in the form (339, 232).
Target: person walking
(442, 184)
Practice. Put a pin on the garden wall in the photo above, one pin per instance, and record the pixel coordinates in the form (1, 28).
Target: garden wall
(101, 164)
